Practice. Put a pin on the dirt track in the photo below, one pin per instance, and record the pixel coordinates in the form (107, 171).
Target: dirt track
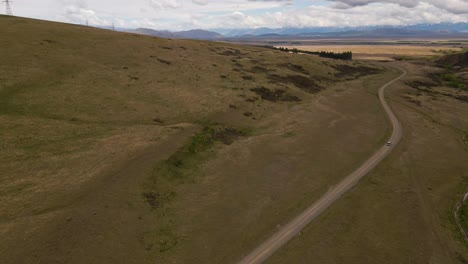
(270, 246)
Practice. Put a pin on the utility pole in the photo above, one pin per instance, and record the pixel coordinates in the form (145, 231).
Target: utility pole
(8, 7)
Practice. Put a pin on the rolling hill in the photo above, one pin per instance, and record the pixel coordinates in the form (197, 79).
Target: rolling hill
(125, 148)
(120, 147)
(190, 34)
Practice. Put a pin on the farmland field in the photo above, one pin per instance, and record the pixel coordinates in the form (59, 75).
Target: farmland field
(381, 52)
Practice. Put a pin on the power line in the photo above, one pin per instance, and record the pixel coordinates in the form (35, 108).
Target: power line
(8, 7)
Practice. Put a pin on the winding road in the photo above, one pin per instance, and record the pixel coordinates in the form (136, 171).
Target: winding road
(286, 233)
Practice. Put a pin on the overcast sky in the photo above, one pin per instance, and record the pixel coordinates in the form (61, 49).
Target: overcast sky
(208, 14)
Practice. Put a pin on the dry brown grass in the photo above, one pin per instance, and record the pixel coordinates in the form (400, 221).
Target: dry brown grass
(91, 119)
(87, 113)
(402, 211)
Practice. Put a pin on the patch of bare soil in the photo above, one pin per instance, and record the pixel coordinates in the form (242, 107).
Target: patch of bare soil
(277, 95)
(304, 83)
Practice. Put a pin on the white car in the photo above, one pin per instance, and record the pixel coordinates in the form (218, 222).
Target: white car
(389, 143)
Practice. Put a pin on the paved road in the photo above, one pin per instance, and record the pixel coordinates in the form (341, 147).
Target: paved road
(290, 230)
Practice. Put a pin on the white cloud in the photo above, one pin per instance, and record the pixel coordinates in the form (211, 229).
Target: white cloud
(165, 4)
(189, 14)
(200, 2)
(453, 6)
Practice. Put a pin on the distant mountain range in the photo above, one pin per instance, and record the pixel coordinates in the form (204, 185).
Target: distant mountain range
(422, 30)
(441, 27)
(375, 33)
(190, 34)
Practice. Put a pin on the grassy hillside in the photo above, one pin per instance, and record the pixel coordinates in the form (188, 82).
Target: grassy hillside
(116, 145)
(72, 72)
(65, 89)
(455, 59)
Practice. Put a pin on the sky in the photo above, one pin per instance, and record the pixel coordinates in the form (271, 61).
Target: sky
(215, 14)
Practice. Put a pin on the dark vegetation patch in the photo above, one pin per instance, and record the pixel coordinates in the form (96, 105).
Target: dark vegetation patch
(258, 69)
(133, 78)
(459, 59)
(435, 78)
(167, 240)
(461, 258)
(202, 141)
(228, 135)
(452, 64)
(49, 41)
(161, 60)
(157, 120)
(463, 98)
(305, 83)
(459, 97)
(252, 99)
(417, 83)
(231, 52)
(248, 114)
(248, 78)
(347, 55)
(463, 215)
(167, 48)
(275, 96)
(293, 67)
(355, 72)
(164, 61)
(446, 77)
(157, 200)
(181, 165)
(412, 100)
(454, 81)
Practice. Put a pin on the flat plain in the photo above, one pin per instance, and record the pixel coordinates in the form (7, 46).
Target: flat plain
(378, 51)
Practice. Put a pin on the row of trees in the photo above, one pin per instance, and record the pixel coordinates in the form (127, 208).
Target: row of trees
(347, 55)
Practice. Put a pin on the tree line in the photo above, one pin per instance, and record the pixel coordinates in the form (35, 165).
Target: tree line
(347, 55)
